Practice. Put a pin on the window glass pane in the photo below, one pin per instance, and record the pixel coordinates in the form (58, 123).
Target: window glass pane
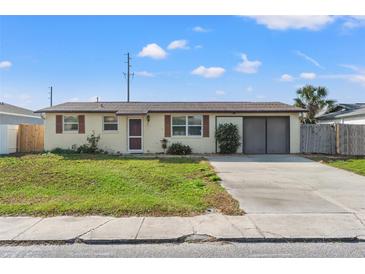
(179, 130)
(110, 127)
(71, 119)
(71, 127)
(195, 131)
(195, 120)
(181, 120)
(110, 119)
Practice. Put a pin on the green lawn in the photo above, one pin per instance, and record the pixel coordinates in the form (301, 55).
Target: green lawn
(350, 163)
(354, 165)
(52, 184)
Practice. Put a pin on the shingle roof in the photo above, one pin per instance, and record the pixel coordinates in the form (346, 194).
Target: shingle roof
(126, 108)
(11, 109)
(347, 110)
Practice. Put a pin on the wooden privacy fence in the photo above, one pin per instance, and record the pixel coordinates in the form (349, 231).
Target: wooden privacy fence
(333, 139)
(30, 138)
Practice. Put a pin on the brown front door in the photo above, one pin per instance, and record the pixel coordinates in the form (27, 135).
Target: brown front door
(135, 135)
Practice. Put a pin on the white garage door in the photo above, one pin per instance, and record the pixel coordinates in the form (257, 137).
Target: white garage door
(234, 120)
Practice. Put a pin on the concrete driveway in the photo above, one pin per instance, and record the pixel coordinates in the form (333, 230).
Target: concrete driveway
(287, 184)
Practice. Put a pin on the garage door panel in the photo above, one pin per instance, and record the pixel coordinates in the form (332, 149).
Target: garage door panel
(254, 135)
(277, 135)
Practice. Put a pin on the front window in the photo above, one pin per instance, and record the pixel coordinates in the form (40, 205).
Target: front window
(187, 125)
(71, 123)
(110, 123)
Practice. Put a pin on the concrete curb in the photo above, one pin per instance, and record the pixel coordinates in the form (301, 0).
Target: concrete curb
(194, 238)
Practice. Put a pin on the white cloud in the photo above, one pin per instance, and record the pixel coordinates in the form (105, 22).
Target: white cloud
(74, 99)
(211, 72)
(285, 22)
(5, 64)
(286, 78)
(198, 46)
(249, 89)
(178, 44)
(308, 75)
(310, 59)
(354, 78)
(153, 51)
(354, 68)
(144, 73)
(220, 92)
(200, 29)
(352, 22)
(247, 66)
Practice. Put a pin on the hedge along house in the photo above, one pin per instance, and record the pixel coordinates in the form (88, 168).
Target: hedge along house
(139, 127)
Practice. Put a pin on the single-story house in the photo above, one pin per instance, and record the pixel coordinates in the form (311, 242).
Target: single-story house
(345, 114)
(139, 127)
(10, 118)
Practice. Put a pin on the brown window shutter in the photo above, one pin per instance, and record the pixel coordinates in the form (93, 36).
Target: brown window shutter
(205, 125)
(167, 125)
(81, 123)
(59, 123)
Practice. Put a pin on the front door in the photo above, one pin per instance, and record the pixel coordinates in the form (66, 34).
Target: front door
(135, 135)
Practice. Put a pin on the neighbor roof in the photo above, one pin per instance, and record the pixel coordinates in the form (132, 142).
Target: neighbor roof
(127, 108)
(348, 110)
(14, 110)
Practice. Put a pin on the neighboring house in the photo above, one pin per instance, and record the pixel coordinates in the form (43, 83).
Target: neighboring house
(10, 117)
(139, 127)
(345, 114)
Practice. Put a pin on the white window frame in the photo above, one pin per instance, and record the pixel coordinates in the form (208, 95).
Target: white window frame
(111, 123)
(68, 123)
(187, 125)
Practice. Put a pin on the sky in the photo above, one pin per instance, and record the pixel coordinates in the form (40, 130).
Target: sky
(179, 58)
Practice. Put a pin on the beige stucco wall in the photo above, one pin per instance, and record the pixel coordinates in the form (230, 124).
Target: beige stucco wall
(153, 132)
(112, 141)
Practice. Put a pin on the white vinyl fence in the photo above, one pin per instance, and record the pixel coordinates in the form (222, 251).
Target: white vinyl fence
(8, 139)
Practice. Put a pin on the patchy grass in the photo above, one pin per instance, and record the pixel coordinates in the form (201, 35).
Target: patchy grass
(354, 164)
(49, 184)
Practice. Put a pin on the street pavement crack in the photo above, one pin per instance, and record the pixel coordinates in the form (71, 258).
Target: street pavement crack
(258, 229)
(94, 228)
(25, 230)
(140, 226)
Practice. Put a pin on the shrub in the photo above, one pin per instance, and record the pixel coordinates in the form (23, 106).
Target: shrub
(179, 149)
(228, 138)
(91, 146)
(58, 150)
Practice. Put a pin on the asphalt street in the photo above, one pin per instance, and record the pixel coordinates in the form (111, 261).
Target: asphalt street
(189, 250)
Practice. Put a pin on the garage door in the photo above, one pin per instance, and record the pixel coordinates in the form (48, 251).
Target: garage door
(266, 135)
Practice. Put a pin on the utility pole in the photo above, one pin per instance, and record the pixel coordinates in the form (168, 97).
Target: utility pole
(128, 75)
(51, 95)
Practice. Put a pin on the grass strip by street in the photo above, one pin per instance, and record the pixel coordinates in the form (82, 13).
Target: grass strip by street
(350, 163)
(81, 184)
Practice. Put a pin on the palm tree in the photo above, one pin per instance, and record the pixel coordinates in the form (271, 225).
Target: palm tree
(313, 99)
